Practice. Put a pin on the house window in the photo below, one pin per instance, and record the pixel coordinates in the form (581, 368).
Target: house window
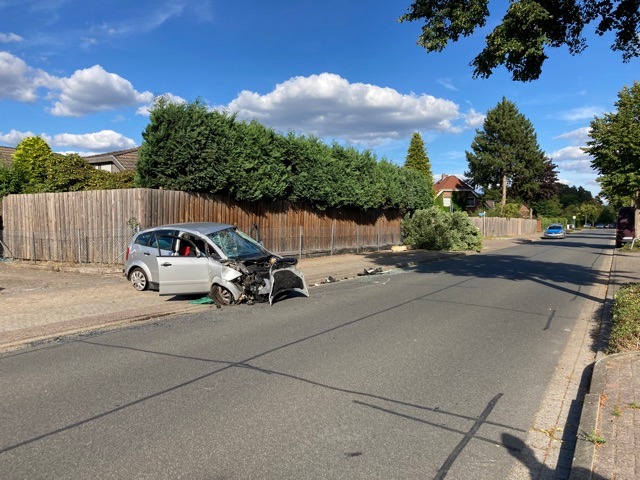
(446, 201)
(471, 201)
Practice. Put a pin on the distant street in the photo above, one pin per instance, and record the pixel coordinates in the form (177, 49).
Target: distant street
(435, 372)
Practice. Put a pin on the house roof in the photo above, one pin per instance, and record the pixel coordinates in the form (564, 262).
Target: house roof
(123, 159)
(452, 183)
(6, 156)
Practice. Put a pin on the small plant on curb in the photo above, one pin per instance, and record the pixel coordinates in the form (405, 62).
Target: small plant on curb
(617, 411)
(625, 332)
(634, 405)
(594, 437)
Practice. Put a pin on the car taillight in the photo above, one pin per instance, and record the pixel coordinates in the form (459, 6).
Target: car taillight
(126, 255)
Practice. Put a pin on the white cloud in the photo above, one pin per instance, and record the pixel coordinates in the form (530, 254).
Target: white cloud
(579, 114)
(86, 91)
(572, 159)
(14, 137)
(95, 90)
(474, 119)
(18, 81)
(9, 37)
(579, 136)
(447, 83)
(103, 141)
(171, 98)
(328, 106)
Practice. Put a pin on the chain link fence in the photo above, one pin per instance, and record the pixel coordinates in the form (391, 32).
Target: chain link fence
(109, 246)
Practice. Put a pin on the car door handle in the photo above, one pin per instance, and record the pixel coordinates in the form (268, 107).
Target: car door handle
(166, 264)
(146, 253)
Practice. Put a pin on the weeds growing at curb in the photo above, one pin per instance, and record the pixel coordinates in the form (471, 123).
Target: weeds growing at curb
(625, 332)
(634, 405)
(594, 437)
(617, 411)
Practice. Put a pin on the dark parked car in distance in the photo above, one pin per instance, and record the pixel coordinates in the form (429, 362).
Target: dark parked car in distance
(625, 226)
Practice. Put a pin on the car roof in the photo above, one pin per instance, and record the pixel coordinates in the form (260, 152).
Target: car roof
(555, 225)
(203, 228)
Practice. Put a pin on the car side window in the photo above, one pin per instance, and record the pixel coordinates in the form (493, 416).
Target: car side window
(143, 239)
(163, 239)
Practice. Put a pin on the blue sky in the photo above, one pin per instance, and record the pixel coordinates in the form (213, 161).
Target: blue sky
(82, 75)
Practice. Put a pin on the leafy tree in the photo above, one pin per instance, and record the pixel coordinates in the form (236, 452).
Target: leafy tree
(31, 164)
(68, 173)
(527, 30)
(548, 208)
(433, 229)
(615, 149)
(569, 196)
(505, 154)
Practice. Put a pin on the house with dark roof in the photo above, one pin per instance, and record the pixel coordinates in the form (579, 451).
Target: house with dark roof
(450, 190)
(114, 162)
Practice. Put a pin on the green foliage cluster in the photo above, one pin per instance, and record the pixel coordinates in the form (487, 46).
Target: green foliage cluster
(505, 157)
(625, 332)
(191, 148)
(433, 229)
(615, 149)
(37, 169)
(528, 28)
(546, 221)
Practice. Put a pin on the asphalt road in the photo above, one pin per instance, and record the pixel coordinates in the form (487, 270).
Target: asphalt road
(432, 373)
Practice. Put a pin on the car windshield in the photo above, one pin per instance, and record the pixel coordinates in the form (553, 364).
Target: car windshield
(237, 245)
(554, 227)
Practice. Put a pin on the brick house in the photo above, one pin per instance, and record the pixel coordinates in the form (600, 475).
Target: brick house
(453, 191)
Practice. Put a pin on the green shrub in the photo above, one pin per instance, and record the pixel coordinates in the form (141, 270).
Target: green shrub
(625, 332)
(546, 221)
(433, 229)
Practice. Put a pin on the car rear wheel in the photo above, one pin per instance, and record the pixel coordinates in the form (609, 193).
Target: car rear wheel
(221, 295)
(139, 279)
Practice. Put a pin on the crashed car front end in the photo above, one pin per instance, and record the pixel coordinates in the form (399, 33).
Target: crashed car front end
(263, 276)
(267, 279)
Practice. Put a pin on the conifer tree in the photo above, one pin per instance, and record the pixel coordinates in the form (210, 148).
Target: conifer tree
(417, 158)
(506, 155)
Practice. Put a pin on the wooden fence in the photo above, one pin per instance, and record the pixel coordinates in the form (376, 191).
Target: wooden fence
(95, 226)
(505, 227)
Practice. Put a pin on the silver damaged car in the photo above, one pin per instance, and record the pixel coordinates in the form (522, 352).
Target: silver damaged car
(210, 258)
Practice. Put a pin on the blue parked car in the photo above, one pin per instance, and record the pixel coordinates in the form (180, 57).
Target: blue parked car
(555, 230)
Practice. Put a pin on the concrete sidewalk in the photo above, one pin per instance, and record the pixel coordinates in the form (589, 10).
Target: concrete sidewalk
(611, 409)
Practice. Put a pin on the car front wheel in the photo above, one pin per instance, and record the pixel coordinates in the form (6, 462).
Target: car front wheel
(139, 279)
(221, 295)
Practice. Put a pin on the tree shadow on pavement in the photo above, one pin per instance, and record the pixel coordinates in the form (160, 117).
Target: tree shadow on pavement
(525, 454)
(566, 277)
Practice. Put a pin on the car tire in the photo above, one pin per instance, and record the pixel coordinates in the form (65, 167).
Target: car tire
(222, 296)
(139, 279)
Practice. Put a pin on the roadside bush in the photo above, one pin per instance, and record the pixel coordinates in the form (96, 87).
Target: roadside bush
(433, 229)
(625, 332)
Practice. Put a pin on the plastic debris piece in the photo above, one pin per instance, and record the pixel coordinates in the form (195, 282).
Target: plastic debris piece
(203, 301)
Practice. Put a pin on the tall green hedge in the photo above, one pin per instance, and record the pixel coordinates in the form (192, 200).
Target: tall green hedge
(191, 148)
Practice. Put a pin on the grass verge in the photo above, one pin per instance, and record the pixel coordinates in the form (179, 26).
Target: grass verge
(625, 331)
